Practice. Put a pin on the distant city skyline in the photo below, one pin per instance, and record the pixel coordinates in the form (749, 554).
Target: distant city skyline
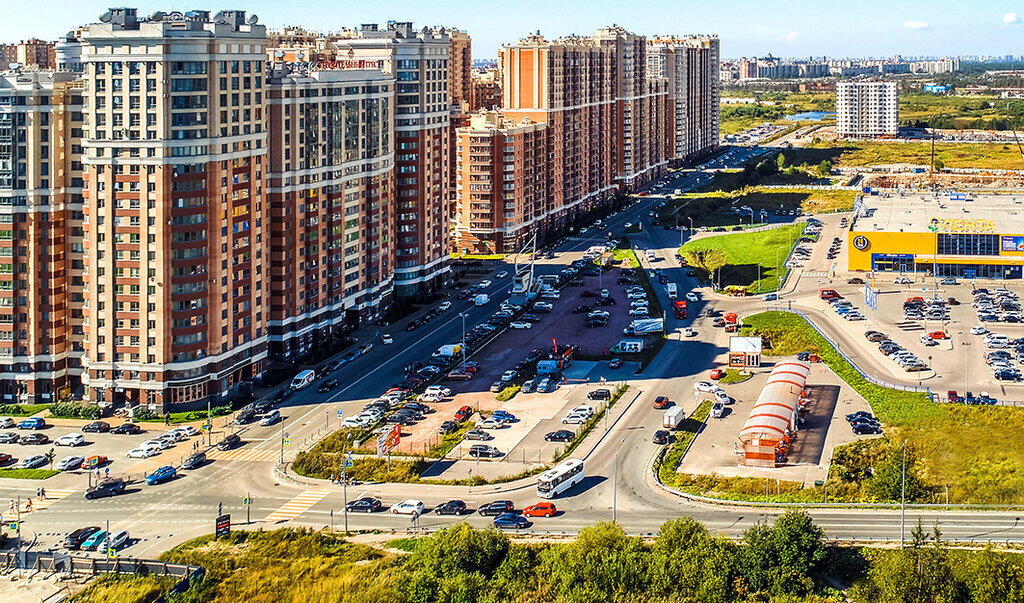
(870, 28)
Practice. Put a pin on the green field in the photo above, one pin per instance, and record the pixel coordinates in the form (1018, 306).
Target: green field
(748, 255)
(993, 156)
(27, 473)
(736, 118)
(972, 450)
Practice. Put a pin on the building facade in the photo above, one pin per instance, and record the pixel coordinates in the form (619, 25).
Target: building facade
(460, 66)
(419, 62)
(690, 66)
(486, 89)
(175, 220)
(29, 53)
(867, 109)
(330, 189)
(501, 183)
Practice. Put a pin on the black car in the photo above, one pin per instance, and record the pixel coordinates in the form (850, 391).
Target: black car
(33, 438)
(229, 442)
(858, 414)
(75, 539)
(605, 301)
(126, 429)
(660, 437)
(417, 406)
(96, 427)
(562, 435)
(865, 421)
(528, 317)
(194, 461)
(452, 507)
(865, 428)
(481, 451)
(595, 323)
(327, 386)
(600, 394)
(580, 309)
(108, 487)
(283, 394)
(364, 505)
(625, 280)
(448, 427)
(497, 508)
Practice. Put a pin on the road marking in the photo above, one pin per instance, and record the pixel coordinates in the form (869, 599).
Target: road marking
(52, 496)
(298, 505)
(244, 455)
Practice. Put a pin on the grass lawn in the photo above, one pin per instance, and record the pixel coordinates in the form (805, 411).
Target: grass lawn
(747, 251)
(189, 416)
(953, 155)
(973, 450)
(733, 376)
(22, 410)
(670, 459)
(27, 473)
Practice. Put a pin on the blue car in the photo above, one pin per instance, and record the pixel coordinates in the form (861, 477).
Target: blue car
(32, 423)
(93, 542)
(510, 520)
(161, 475)
(503, 415)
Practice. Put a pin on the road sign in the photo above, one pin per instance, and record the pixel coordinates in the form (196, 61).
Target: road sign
(207, 427)
(14, 525)
(246, 501)
(389, 440)
(340, 414)
(223, 526)
(287, 442)
(870, 297)
(348, 460)
(111, 553)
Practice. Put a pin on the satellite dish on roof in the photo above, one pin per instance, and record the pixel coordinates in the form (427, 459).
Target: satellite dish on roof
(106, 17)
(253, 19)
(279, 54)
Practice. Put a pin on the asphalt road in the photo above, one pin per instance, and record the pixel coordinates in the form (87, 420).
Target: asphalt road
(618, 469)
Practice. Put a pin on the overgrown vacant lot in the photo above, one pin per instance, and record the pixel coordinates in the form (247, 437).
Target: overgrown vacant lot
(973, 450)
(749, 255)
(992, 156)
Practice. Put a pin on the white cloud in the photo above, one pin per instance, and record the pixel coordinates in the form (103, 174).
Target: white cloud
(915, 25)
(793, 36)
(1011, 18)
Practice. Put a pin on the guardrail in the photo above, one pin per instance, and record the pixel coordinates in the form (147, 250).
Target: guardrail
(63, 563)
(835, 346)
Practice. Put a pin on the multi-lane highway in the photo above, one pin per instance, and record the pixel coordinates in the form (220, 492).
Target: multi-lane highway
(618, 458)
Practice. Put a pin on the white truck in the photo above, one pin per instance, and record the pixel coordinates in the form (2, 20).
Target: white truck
(482, 299)
(451, 349)
(673, 418)
(644, 326)
(672, 290)
(303, 379)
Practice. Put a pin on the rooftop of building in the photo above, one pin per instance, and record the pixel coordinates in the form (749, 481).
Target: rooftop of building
(125, 21)
(969, 212)
(496, 121)
(327, 72)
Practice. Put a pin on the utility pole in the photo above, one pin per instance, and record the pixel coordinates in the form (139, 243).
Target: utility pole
(615, 479)
(903, 497)
(344, 490)
(282, 440)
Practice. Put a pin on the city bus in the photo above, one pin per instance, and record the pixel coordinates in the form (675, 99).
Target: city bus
(560, 478)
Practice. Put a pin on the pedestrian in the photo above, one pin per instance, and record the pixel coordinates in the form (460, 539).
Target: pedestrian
(10, 507)
(332, 479)
(42, 493)
(28, 507)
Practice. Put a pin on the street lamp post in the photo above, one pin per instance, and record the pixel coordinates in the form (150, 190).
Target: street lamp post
(463, 346)
(903, 497)
(615, 479)
(282, 440)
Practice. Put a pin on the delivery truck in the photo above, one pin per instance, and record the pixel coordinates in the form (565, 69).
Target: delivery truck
(482, 299)
(672, 290)
(303, 379)
(644, 326)
(452, 349)
(680, 308)
(673, 418)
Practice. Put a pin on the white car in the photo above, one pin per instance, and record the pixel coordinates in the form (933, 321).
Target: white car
(491, 423)
(408, 507)
(639, 311)
(270, 418)
(157, 443)
(386, 339)
(509, 375)
(484, 284)
(901, 280)
(637, 295)
(70, 439)
(519, 324)
(978, 330)
(444, 306)
(114, 541)
(188, 430)
(501, 274)
(143, 452)
(597, 314)
(439, 390)
(691, 296)
(582, 409)
(541, 306)
(689, 332)
(575, 418)
(70, 462)
(7, 423)
(704, 386)
(551, 295)
(31, 462)
(722, 397)
(356, 421)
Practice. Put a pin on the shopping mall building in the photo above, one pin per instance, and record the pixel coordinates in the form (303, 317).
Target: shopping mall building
(964, 235)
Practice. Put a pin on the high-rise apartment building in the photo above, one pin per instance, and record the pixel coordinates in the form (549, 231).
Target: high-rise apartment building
(419, 62)
(330, 189)
(41, 258)
(569, 84)
(638, 148)
(501, 183)
(176, 222)
(486, 89)
(28, 53)
(460, 66)
(867, 109)
(690, 64)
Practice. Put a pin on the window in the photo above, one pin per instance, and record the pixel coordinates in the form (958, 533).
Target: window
(968, 244)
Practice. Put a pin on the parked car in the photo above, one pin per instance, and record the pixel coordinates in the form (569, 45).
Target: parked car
(114, 541)
(496, 508)
(32, 462)
(74, 540)
(478, 435)
(32, 423)
(96, 427)
(562, 435)
(33, 438)
(452, 507)
(126, 429)
(482, 451)
(463, 414)
(108, 487)
(70, 439)
(599, 394)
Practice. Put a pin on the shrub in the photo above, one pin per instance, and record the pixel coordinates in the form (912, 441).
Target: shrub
(142, 413)
(508, 393)
(75, 410)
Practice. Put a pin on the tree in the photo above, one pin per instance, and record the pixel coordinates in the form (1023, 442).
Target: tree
(781, 161)
(602, 564)
(825, 168)
(783, 558)
(938, 165)
(49, 457)
(714, 259)
(689, 562)
(887, 482)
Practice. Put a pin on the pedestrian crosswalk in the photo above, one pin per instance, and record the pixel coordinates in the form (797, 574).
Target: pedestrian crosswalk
(815, 274)
(298, 505)
(244, 455)
(36, 503)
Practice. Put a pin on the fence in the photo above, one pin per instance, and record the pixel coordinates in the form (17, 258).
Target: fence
(835, 346)
(58, 562)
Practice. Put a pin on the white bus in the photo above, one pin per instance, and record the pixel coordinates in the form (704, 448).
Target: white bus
(560, 478)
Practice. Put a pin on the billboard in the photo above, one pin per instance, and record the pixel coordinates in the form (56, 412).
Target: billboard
(1012, 243)
(388, 440)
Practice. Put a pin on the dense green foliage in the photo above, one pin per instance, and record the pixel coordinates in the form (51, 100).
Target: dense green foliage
(21, 410)
(75, 410)
(787, 560)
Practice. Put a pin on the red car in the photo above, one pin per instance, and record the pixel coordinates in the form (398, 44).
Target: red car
(938, 335)
(5, 458)
(463, 414)
(662, 402)
(954, 398)
(716, 374)
(541, 509)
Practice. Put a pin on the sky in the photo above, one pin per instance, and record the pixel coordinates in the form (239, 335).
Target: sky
(788, 28)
